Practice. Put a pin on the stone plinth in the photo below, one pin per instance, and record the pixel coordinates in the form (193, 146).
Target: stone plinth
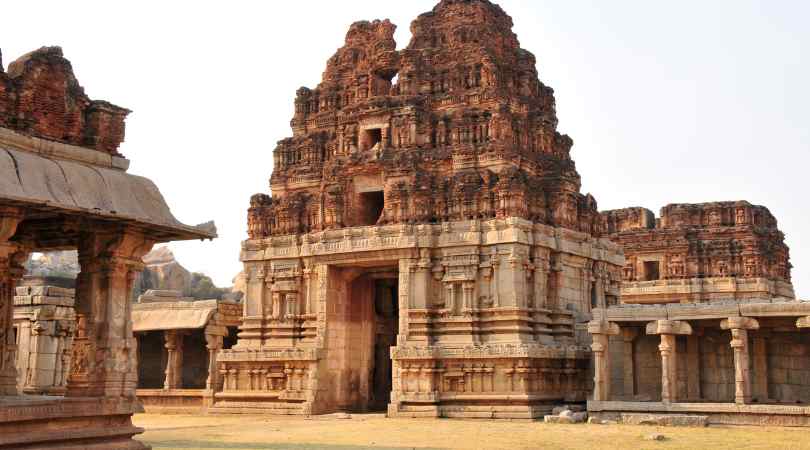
(42, 422)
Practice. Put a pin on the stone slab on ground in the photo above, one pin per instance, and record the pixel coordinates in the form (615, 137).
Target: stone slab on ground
(672, 420)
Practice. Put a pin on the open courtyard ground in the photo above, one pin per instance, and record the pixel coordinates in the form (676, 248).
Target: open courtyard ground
(166, 432)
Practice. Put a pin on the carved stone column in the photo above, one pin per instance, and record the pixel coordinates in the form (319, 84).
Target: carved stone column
(601, 332)
(669, 330)
(174, 358)
(213, 343)
(105, 351)
(739, 327)
(11, 260)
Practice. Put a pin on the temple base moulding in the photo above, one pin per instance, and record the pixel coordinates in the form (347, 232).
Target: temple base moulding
(29, 422)
(702, 414)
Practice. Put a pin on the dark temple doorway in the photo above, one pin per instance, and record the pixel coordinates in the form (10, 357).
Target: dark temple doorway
(386, 321)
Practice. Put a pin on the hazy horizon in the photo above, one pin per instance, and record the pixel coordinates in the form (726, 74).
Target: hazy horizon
(680, 102)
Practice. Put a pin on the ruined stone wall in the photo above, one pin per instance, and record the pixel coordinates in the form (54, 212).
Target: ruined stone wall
(40, 96)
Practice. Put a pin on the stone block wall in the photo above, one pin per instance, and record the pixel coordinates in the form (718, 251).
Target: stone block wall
(717, 366)
(789, 366)
(647, 367)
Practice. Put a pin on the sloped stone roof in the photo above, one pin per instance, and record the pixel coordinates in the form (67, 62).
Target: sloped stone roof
(32, 179)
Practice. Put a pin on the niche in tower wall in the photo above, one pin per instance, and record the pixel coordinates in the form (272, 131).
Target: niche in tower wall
(651, 271)
(371, 207)
(370, 138)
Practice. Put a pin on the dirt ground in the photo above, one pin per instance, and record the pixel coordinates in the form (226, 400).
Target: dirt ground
(166, 432)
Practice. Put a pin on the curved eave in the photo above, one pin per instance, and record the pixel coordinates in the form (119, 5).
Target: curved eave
(53, 185)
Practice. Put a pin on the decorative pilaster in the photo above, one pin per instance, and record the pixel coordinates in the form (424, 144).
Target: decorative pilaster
(601, 332)
(11, 261)
(104, 361)
(669, 330)
(739, 327)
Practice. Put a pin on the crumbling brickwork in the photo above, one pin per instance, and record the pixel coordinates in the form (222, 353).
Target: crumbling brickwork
(40, 96)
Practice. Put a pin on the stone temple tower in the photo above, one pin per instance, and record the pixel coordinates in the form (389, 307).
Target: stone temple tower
(426, 248)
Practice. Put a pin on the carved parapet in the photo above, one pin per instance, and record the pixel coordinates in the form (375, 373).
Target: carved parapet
(669, 327)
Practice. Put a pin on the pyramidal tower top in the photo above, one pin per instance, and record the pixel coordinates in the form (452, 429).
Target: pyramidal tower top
(456, 126)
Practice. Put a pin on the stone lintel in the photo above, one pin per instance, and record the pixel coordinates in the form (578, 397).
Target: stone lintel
(739, 323)
(669, 327)
(603, 327)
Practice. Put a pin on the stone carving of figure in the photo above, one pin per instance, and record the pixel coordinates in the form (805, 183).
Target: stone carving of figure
(722, 269)
(676, 266)
(714, 218)
(751, 267)
(740, 218)
(628, 271)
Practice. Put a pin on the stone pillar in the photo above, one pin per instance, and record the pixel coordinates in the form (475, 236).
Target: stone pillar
(628, 339)
(174, 359)
(739, 327)
(11, 261)
(669, 330)
(600, 332)
(213, 342)
(104, 360)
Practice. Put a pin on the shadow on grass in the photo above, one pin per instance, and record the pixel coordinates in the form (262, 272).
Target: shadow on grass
(203, 445)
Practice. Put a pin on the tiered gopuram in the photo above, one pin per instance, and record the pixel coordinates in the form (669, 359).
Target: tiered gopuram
(426, 247)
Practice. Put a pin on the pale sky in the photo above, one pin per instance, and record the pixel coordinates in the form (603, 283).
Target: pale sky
(686, 101)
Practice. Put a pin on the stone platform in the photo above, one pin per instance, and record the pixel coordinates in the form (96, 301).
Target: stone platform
(699, 414)
(173, 400)
(72, 423)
